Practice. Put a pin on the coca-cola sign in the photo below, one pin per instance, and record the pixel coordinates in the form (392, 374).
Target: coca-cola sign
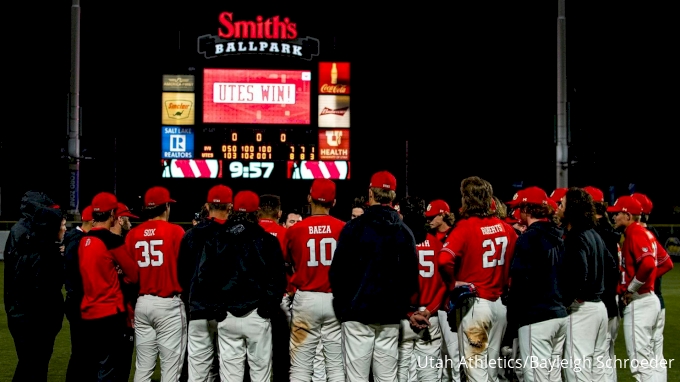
(334, 78)
(271, 35)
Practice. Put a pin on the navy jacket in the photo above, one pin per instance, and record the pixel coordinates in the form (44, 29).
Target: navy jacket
(612, 274)
(73, 281)
(584, 263)
(535, 293)
(374, 273)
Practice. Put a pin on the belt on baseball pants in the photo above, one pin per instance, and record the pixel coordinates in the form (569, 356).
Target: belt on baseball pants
(154, 295)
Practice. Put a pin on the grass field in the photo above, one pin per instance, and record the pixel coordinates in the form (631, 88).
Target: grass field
(57, 371)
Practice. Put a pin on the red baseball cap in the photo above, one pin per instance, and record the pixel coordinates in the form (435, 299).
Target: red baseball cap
(532, 195)
(626, 204)
(384, 180)
(87, 214)
(322, 190)
(220, 194)
(436, 207)
(553, 204)
(595, 193)
(104, 201)
(558, 193)
(123, 210)
(157, 196)
(644, 202)
(246, 201)
(513, 217)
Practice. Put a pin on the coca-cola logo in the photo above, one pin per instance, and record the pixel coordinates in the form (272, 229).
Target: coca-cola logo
(340, 112)
(341, 89)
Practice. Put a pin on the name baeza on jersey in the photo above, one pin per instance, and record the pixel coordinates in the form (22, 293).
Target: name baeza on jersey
(319, 229)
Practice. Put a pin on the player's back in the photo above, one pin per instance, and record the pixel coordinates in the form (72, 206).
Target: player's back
(275, 229)
(155, 245)
(483, 248)
(310, 247)
(432, 288)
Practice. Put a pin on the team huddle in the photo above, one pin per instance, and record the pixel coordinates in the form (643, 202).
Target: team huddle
(532, 289)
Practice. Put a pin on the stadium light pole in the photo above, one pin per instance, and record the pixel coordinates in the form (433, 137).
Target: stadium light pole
(74, 115)
(561, 138)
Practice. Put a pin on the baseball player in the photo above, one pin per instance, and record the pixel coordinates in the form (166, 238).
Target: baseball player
(100, 254)
(586, 261)
(663, 265)
(420, 339)
(160, 316)
(441, 221)
(73, 283)
(642, 306)
(541, 320)
(202, 336)
(310, 245)
(243, 265)
(478, 253)
(269, 215)
(374, 279)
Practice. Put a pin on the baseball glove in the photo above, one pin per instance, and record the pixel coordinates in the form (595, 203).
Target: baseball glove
(458, 297)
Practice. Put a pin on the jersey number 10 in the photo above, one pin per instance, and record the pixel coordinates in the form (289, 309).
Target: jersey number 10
(151, 255)
(325, 256)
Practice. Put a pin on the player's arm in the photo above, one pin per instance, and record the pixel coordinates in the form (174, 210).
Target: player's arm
(645, 259)
(129, 266)
(448, 256)
(274, 282)
(663, 260)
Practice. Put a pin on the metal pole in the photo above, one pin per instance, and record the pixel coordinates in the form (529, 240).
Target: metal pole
(74, 118)
(562, 140)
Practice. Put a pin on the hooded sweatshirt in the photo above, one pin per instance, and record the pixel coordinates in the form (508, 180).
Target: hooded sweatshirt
(374, 273)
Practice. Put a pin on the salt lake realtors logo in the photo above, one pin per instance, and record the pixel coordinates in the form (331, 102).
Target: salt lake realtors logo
(275, 35)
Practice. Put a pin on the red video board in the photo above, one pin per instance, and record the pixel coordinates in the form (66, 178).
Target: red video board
(257, 96)
(334, 78)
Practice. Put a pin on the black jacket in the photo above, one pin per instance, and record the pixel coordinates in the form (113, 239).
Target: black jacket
(243, 267)
(73, 281)
(584, 263)
(612, 273)
(535, 293)
(196, 291)
(34, 267)
(374, 273)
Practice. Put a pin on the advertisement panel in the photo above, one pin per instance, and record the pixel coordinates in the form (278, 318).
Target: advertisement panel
(256, 96)
(318, 170)
(178, 108)
(334, 78)
(178, 83)
(333, 111)
(192, 168)
(177, 142)
(334, 144)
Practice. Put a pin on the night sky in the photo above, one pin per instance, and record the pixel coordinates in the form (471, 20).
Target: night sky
(472, 89)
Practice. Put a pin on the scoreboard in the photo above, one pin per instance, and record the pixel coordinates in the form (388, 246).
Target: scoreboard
(257, 123)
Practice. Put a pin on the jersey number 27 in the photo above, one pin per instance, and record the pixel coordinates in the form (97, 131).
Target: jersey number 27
(492, 247)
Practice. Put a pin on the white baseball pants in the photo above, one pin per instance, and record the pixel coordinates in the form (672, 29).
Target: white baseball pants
(423, 347)
(612, 333)
(657, 343)
(202, 349)
(585, 350)
(245, 338)
(313, 321)
(160, 331)
(450, 352)
(541, 345)
(480, 333)
(320, 361)
(370, 345)
(639, 327)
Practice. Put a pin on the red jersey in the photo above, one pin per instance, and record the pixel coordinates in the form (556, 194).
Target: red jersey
(432, 287)
(102, 296)
(639, 257)
(154, 244)
(480, 250)
(310, 245)
(279, 232)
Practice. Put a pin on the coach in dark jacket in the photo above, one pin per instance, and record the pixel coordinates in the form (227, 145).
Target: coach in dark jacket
(33, 281)
(374, 278)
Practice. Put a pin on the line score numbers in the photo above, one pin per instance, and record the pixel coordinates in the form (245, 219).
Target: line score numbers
(257, 144)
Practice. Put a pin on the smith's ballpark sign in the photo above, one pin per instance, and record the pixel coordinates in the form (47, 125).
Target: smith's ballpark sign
(275, 35)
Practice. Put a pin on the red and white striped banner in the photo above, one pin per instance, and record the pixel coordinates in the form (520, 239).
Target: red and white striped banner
(318, 170)
(192, 168)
